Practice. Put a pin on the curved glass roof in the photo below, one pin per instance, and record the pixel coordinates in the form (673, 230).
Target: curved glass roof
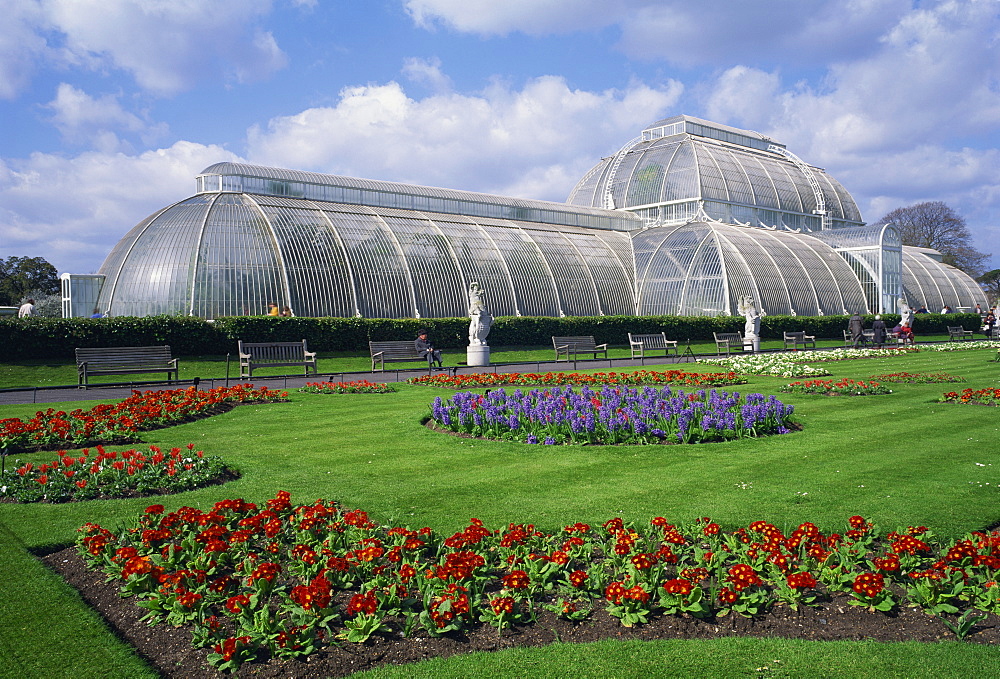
(231, 254)
(933, 284)
(738, 175)
(704, 268)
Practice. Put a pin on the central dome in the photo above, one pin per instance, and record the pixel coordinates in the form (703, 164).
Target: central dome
(736, 176)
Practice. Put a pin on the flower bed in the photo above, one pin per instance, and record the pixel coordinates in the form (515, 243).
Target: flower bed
(844, 387)
(778, 364)
(848, 354)
(987, 397)
(961, 346)
(285, 581)
(639, 377)
(52, 429)
(355, 387)
(918, 378)
(615, 415)
(112, 474)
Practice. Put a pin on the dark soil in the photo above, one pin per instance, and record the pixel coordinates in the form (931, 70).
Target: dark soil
(169, 650)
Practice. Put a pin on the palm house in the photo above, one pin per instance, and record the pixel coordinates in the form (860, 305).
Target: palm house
(685, 219)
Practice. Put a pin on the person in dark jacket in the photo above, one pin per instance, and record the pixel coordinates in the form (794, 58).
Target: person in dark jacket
(857, 330)
(878, 332)
(426, 349)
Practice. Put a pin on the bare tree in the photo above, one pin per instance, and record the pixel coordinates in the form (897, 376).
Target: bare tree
(935, 225)
(990, 282)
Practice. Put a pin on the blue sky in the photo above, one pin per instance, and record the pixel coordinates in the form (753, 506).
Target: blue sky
(109, 108)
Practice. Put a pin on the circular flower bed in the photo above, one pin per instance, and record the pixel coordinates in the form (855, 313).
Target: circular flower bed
(615, 415)
(844, 387)
(356, 387)
(987, 397)
(99, 475)
(637, 378)
(918, 378)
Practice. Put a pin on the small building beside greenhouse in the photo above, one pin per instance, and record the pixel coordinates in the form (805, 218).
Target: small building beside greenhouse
(685, 219)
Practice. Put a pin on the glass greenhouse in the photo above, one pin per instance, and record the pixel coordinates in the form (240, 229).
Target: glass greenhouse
(684, 219)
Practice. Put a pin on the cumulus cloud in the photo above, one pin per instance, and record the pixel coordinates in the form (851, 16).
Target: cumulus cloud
(72, 210)
(427, 72)
(488, 17)
(97, 121)
(531, 142)
(167, 45)
(21, 45)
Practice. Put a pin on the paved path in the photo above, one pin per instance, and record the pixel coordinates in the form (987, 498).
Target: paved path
(120, 391)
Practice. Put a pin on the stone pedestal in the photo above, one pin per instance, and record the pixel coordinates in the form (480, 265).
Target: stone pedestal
(478, 355)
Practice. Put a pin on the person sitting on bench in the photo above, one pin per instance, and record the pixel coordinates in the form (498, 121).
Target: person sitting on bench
(426, 349)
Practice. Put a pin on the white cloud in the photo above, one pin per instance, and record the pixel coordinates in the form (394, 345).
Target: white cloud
(96, 121)
(489, 17)
(167, 45)
(71, 211)
(488, 141)
(427, 72)
(21, 45)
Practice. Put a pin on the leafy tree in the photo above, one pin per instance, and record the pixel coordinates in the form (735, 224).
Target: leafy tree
(20, 276)
(936, 225)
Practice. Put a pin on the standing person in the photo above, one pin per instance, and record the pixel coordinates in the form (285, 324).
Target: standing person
(988, 324)
(878, 332)
(272, 309)
(426, 349)
(857, 330)
(27, 309)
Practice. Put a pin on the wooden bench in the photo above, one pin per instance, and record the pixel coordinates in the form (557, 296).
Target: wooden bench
(571, 346)
(799, 338)
(255, 355)
(730, 341)
(396, 351)
(868, 337)
(957, 332)
(124, 361)
(640, 344)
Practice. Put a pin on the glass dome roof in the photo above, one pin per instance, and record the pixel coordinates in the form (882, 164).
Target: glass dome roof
(736, 176)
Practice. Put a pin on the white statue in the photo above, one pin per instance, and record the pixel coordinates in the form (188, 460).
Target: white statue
(906, 313)
(751, 330)
(480, 319)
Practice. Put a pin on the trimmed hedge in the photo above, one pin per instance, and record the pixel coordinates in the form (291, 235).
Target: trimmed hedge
(42, 338)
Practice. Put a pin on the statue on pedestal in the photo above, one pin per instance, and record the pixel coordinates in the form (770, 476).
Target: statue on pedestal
(480, 319)
(751, 329)
(905, 313)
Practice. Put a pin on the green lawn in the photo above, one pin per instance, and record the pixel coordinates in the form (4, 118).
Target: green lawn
(898, 460)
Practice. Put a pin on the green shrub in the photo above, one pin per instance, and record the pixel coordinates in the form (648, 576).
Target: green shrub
(41, 338)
